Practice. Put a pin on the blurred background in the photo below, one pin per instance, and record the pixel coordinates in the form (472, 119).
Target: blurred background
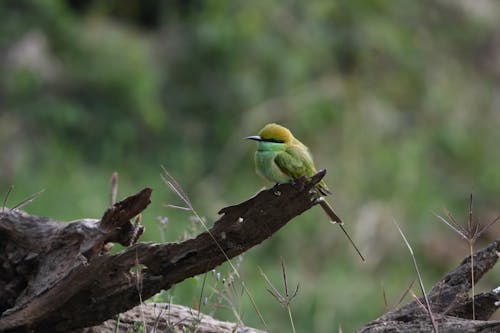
(399, 101)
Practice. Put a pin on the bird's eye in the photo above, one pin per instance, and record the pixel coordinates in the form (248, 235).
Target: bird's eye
(274, 140)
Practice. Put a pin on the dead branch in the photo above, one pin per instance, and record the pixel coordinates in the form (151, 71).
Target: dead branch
(164, 317)
(450, 302)
(59, 276)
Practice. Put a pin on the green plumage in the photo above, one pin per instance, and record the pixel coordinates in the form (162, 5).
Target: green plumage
(280, 158)
(280, 163)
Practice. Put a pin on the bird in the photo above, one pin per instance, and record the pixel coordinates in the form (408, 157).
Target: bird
(282, 158)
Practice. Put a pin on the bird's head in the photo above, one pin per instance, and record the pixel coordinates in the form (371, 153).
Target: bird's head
(273, 133)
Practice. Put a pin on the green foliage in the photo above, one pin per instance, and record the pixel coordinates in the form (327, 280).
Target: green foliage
(396, 99)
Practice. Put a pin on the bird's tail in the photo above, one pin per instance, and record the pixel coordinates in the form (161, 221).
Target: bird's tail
(334, 219)
(329, 211)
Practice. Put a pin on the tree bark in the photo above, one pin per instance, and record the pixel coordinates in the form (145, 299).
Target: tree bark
(450, 302)
(59, 276)
(171, 318)
(451, 308)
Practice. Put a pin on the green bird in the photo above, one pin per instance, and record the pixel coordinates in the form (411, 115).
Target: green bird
(281, 158)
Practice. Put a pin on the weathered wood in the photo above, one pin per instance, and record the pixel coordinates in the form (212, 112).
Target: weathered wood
(450, 302)
(61, 277)
(171, 318)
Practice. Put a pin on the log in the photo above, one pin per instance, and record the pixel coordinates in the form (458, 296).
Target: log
(59, 276)
(451, 306)
(164, 317)
(450, 302)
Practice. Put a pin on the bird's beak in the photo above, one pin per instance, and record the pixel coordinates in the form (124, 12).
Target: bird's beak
(253, 137)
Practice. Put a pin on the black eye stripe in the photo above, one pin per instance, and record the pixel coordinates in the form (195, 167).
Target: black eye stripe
(273, 140)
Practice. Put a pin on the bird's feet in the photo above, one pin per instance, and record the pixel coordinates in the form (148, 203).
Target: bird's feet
(276, 191)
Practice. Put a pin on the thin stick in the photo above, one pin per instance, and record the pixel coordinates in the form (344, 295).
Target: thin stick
(27, 201)
(291, 318)
(6, 197)
(113, 188)
(470, 232)
(421, 283)
(471, 248)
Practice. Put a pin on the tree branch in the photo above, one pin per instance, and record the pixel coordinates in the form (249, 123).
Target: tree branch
(172, 318)
(58, 277)
(68, 280)
(450, 302)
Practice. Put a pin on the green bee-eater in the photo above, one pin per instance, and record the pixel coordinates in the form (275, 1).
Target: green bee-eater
(281, 158)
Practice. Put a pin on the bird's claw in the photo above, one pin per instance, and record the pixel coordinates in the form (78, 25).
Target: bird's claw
(276, 191)
(318, 200)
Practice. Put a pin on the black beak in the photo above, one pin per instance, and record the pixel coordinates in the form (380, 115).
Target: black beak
(253, 137)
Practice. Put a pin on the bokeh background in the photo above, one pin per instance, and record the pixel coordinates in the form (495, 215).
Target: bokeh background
(398, 100)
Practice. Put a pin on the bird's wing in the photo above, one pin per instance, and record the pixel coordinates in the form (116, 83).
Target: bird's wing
(297, 163)
(291, 164)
